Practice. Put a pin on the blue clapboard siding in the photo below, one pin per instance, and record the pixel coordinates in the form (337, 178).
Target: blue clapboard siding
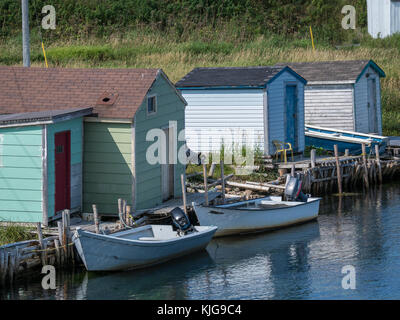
(361, 102)
(21, 174)
(148, 177)
(276, 91)
(75, 126)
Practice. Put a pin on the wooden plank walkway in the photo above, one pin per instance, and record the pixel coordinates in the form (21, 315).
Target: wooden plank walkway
(167, 206)
(306, 163)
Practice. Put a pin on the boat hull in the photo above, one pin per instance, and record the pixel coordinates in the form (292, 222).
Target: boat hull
(354, 148)
(326, 138)
(107, 253)
(240, 221)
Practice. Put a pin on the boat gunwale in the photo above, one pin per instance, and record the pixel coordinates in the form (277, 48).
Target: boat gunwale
(143, 243)
(383, 138)
(260, 209)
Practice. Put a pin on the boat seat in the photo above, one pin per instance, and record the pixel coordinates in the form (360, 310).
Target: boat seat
(151, 239)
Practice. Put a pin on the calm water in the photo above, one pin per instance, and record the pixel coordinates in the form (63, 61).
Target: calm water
(303, 262)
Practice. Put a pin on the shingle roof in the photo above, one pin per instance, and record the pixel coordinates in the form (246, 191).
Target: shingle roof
(229, 77)
(38, 89)
(48, 115)
(330, 71)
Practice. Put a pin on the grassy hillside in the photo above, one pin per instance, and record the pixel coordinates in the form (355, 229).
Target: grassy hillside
(180, 35)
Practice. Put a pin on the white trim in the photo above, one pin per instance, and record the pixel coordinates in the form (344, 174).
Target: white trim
(310, 83)
(133, 163)
(45, 188)
(27, 124)
(106, 120)
(266, 122)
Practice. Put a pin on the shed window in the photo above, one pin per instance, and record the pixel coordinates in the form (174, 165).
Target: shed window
(151, 105)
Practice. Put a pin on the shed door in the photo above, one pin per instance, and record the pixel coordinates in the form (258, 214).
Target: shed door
(167, 170)
(372, 119)
(291, 118)
(62, 158)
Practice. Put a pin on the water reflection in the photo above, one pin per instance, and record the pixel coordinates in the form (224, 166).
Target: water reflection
(302, 262)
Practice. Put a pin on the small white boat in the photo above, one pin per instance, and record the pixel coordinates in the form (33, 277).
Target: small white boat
(138, 247)
(257, 215)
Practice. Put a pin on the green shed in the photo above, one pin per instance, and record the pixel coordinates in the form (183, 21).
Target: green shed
(128, 104)
(41, 164)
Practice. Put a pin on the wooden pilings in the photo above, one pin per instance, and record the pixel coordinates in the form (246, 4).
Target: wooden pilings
(19, 257)
(183, 182)
(346, 173)
(205, 184)
(222, 181)
(96, 219)
(338, 169)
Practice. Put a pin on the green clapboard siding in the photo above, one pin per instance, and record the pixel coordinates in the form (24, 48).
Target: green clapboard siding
(107, 169)
(148, 177)
(21, 174)
(75, 126)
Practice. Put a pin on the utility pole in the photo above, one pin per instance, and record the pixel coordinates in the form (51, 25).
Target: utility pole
(25, 33)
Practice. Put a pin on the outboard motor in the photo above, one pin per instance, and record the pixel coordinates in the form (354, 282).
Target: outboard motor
(181, 221)
(293, 190)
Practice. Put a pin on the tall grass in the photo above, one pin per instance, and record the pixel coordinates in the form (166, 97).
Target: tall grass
(144, 48)
(11, 233)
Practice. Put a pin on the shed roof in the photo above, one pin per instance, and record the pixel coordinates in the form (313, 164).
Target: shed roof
(232, 77)
(333, 71)
(43, 116)
(114, 93)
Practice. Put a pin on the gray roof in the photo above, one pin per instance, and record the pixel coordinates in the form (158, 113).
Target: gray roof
(42, 116)
(229, 77)
(331, 71)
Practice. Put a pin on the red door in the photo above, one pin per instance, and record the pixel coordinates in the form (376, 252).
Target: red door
(62, 141)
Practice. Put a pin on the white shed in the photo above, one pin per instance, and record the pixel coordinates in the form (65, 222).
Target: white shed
(261, 103)
(383, 17)
(343, 95)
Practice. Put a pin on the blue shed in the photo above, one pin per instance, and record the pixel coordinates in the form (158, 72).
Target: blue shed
(343, 95)
(263, 103)
(41, 157)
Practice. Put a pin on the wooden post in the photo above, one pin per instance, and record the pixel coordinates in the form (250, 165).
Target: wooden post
(313, 155)
(212, 169)
(120, 212)
(41, 243)
(5, 266)
(222, 181)
(58, 254)
(60, 238)
(378, 163)
(205, 184)
(96, 219)
(338, 169)
(184, 192)
(128, 215)
(364, 155)
(66, 233)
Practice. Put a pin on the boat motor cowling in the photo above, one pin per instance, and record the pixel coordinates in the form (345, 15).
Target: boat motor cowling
(293, 190)
(181, 221)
